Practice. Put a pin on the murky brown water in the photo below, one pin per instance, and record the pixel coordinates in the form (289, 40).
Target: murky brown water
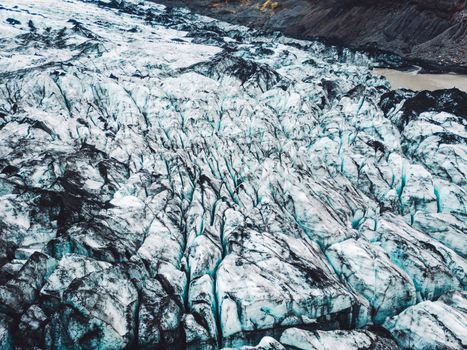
(414, 81)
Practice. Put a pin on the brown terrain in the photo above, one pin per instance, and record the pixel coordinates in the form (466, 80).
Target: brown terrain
(429, 33)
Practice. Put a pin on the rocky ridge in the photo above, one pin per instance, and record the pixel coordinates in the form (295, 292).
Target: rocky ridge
(171, 181)
(397, 33)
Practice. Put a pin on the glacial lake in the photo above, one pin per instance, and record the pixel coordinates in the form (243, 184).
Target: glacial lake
(417, 82)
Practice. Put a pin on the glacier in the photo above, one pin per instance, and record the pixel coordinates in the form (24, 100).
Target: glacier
(170, 181)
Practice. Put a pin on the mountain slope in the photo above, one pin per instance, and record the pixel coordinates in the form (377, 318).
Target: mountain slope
(429, 33)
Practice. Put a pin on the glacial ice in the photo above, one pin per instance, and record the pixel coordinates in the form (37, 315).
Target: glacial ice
(329, 340)
(430, 325)
(368, 270)
(266, 343)
(171, 181)
(98, 311)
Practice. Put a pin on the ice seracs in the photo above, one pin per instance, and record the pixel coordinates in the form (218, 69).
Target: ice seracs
(99, 308)
(300, 289)
(171, 181)
(368, 270)
(326, 340)
(430, 325)
(23, 289)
